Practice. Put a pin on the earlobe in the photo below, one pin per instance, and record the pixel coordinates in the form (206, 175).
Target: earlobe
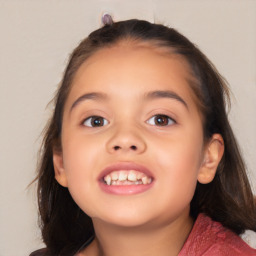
(212, 157)
(60, 174)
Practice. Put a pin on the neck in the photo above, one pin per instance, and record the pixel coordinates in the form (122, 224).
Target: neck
(167, 239)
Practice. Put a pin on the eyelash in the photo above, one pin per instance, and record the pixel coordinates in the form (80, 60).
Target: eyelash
(166, 121)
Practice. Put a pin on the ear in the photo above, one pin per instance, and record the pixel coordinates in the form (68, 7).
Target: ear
(213, 153)
(60, 174)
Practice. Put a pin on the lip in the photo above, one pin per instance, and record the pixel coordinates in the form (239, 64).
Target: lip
(125, 189)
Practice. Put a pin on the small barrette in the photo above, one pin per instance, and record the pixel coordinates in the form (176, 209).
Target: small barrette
(107, 19)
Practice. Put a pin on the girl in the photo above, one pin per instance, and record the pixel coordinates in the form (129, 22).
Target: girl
(133, 160)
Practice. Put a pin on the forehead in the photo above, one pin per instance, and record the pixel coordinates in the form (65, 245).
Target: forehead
(132, 66)
(126, 51)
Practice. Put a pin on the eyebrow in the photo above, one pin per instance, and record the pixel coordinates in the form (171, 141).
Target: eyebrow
(166, 94)
(150, 95)
(89, 96)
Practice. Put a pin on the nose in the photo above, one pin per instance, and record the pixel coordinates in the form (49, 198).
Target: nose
(126, 141)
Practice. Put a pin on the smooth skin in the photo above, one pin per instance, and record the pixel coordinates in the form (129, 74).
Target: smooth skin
(162, 133)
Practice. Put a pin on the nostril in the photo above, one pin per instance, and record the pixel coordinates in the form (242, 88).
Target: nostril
(131, 147)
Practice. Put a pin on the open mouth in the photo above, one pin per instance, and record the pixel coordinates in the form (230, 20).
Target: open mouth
(126, 177)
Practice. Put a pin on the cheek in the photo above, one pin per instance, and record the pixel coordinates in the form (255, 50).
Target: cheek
(79, 160)
(180, 151)
(78, 150)
(79, 165)
(180, 160)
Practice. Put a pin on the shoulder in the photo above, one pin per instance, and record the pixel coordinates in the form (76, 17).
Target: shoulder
(40, 252)
(249, 237)
(209, 237)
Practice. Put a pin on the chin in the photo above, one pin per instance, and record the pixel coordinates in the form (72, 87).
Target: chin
(124, 219)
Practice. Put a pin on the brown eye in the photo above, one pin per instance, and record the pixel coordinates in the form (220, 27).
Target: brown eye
(95, 121)
(161, 120)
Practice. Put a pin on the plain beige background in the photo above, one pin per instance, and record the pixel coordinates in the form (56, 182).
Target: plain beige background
(36, 38)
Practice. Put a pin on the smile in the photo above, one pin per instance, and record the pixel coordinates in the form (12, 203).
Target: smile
(127, 177)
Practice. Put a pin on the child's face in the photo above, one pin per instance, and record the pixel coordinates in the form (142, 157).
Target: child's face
(147, 121)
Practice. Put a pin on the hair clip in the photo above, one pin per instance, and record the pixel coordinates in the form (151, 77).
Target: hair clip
(107, 19)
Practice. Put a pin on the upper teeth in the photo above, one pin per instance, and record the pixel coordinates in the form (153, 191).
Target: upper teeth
(126, 177)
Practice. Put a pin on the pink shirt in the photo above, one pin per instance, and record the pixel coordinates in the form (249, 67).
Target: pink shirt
(210, 238)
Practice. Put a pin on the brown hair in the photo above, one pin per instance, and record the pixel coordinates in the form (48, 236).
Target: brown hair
(227, 199)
